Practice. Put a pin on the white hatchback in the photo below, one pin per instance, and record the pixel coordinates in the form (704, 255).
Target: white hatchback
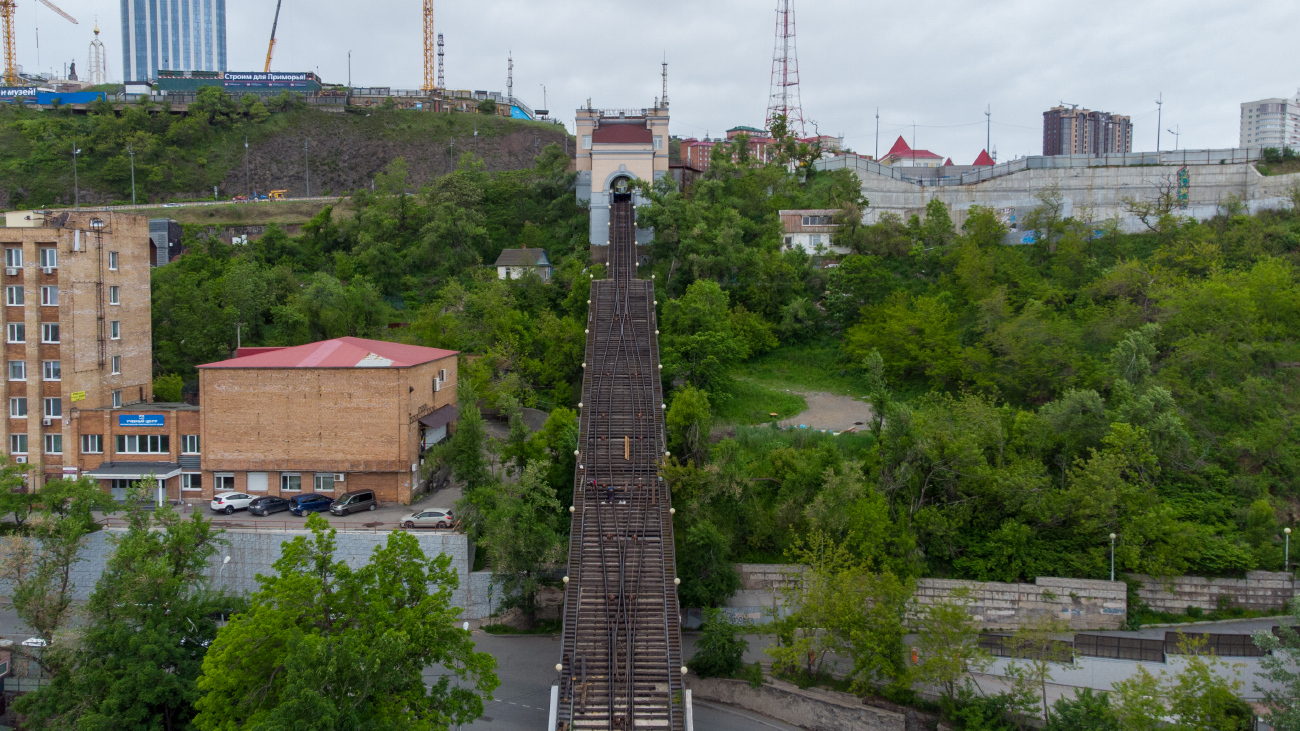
(430, 518)
(229, 502)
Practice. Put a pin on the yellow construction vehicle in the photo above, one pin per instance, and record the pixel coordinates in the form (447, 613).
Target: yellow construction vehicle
(277, 195)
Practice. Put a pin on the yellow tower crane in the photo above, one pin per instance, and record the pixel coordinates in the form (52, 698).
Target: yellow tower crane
(271, 48)
(430, 49)
(11, 57)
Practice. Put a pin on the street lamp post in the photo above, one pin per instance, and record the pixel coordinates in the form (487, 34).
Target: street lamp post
(1286, 555)
(76, 185)
(131, 152)
(1112, 556)
(307, 159)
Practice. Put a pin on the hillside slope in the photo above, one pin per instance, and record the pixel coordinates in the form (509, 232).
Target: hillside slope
(181, 157)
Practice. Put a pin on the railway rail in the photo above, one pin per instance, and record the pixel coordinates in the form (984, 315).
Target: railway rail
(622, 654)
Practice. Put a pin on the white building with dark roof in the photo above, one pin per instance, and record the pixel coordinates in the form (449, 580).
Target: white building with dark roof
(515, 263)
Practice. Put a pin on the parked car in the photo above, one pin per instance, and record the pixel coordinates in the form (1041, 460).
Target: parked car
(229, 502)
(268, 504)
(430, 518)
(354, 502)
(308, 503)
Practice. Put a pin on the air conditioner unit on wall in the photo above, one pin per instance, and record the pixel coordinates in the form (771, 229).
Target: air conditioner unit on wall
(11, 271)
(47, 270)
(20, 459)
(47, 421)
(338, 476)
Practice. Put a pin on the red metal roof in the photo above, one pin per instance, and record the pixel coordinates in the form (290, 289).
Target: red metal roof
(947, 162)
(984, 159)
(245, 352)
(339, 353)
(616, 133)
(900, 146)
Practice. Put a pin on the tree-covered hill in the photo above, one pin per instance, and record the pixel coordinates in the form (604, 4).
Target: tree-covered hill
(182, 156)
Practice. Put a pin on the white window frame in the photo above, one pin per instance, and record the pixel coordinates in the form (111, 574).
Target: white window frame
(92, 443)
(18, 407)
(49, 296)
(284, 482)
(53, 407)
(15, 296)
(114, 295)
(188, 479)
(53, 444)
(142, 444)
(49, 257)
(16, 332)
(13, 257)
(48, 328)
(18, 444)
(117, 399)
(219, 478)
(21, 365)
(112, 261)
(188, 441)
(318, 481)
(115, 365)
(114, 329)
(51, 368)
(586, 142)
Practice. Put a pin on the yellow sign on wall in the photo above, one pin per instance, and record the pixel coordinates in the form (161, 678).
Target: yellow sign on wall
(78, 395)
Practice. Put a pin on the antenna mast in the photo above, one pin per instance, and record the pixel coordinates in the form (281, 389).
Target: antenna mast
(442, 81)
(785, 101)
(510, 79)
(663, 100)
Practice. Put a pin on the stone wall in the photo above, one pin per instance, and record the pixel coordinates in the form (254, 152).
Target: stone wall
(1260, 590)
(814, 709)
(1082, 604)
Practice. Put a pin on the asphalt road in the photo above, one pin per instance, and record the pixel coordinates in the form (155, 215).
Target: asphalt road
(526, 668)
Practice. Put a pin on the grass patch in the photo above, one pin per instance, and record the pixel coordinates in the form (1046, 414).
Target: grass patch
(814, 367)
(1278, 168)
(249, 214)
(548, 627)
(1194, 614)
(748, 402)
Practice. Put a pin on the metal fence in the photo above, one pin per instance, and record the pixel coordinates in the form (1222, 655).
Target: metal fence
(1120, 648)
(281, 526)
(1221, 645)
(1223, 156)
(1006, 646)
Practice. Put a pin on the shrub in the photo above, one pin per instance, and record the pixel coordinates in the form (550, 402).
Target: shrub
(719, 651)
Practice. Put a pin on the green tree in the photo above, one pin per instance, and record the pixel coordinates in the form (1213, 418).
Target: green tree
(698, 344)
(1203, 696)
(1086, 711)
(16, 498)
(522, 533)
(719, 651)
(326, 646)
(148, 623)
(948, 640)
(1281, 668)
(1036, 642)
(690, 421)
(167, 388)
(487, 106)
(703, 563)
(468, 463)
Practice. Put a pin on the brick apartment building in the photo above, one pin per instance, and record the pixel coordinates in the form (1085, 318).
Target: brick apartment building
(1075, 131)
(77, 329)
(329, 417)
(157, 442)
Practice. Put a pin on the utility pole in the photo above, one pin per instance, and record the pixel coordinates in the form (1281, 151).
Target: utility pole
(349, 70)
(130, 151)
(988, 127)
(1159, 109)
(877, 158)
(307, 158)
(248, 182)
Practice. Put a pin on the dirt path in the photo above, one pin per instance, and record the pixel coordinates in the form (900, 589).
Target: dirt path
(830, 411)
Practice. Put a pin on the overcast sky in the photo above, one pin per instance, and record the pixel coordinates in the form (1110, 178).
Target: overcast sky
(935, 63)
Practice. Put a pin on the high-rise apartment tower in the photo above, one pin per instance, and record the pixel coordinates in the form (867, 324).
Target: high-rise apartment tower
(174, 35)
(1271, 123)
(1076, 131)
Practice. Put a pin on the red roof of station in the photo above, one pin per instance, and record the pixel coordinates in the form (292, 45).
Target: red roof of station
(947, 162)
(901, 150)
(337, 353)
(613, 132)
(984, 159)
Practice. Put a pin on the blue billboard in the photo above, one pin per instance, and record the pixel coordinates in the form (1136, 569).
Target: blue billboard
(141, 420)
(13, 92)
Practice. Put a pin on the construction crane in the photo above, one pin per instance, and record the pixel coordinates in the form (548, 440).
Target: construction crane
(430, 48)
(7, 8)
(271, 48)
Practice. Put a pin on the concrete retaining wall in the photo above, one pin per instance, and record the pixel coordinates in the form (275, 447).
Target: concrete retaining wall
(817, 710)
(1260, 590)
(1080, 603)
(253, 553)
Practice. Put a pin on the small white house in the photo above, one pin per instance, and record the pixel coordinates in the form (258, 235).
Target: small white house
(812, 231)
(515, 263)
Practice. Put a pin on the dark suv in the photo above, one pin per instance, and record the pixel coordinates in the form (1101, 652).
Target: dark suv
(308, 503)
(354, 502)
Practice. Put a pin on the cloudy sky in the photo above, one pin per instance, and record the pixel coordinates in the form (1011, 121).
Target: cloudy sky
(932, 63)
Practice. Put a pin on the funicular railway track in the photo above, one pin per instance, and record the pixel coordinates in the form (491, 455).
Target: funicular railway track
(622, 644)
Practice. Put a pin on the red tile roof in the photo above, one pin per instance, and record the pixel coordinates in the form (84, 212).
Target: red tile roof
(984, 159)
(339, 353)
(622, 132)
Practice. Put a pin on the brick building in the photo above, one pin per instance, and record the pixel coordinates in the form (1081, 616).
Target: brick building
(329, 417)
(148, 441)
(1075, 131)
(77, 328)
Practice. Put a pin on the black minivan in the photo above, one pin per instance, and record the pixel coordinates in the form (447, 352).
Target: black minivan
(354, 502)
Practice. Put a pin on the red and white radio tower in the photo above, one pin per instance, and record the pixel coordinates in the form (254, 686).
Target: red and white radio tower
(785, 73)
